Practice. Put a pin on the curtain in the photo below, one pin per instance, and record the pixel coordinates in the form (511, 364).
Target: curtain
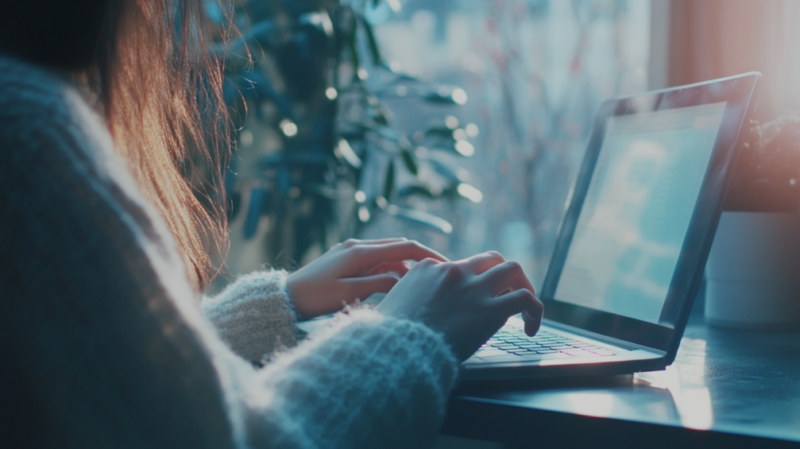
(716, 38)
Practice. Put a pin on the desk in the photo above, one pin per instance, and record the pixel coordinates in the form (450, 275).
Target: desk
(725, 389)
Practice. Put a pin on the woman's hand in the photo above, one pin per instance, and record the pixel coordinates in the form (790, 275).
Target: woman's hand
(467, 300)
(354, 269)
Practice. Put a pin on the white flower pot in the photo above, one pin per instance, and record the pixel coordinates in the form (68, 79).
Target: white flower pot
(753, 271)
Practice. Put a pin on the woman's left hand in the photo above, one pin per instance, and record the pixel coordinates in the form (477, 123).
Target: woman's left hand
(354, 269)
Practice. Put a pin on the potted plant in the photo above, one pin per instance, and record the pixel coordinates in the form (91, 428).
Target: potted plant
(753, 270)
(319, 154)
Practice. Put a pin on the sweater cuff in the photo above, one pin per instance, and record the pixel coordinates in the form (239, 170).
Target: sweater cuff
(254, 315)
(405, 338)
(391, 379)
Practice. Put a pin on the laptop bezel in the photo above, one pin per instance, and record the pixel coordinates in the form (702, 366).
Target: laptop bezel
(739, 92)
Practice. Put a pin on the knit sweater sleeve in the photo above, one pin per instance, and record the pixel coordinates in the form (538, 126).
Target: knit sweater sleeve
(374, 382)
(254, 315)
(101, 336)
(361, 382)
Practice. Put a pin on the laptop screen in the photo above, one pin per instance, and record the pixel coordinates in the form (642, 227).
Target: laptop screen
(640, 221)
(637, 210)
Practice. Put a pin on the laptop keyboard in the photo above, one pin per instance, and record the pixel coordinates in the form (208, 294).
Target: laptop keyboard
(513, 340)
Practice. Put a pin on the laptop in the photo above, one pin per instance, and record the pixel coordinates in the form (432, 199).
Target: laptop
(632, 246)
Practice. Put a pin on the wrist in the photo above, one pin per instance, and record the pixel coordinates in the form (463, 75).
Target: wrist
(298, 297)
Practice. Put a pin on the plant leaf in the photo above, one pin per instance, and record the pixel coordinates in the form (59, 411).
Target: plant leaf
(446, 95)
(460, 148)
(375, 109)
(377, 114)
(452, 175)
(253, 211)
(408, 160)
(343, 150)
(440, 131)
(374, 49)
(388, 183)
(416, 189)
(354, 59)
(423, 218)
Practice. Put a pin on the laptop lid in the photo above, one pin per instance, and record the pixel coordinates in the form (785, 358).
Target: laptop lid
(641, 218)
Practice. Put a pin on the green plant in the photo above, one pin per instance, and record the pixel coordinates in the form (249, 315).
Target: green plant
(324, 135)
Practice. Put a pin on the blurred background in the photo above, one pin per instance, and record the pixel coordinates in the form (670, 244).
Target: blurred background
(457, 123)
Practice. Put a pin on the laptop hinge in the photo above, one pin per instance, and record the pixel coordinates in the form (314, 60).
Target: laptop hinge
(604, 338)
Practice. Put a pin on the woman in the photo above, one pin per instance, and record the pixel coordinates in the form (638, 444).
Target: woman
(103, 249)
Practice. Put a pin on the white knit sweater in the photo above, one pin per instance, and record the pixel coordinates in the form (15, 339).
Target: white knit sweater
(254, 315)
(103, 341)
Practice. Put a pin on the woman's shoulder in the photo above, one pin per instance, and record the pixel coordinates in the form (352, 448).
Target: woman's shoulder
(42, 113)
(27, 89)
(33, 96)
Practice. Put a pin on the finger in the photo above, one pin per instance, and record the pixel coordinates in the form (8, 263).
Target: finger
(364, 287)
(353, 242)
(367, 256)
(349, 243)
(382, 241)
(533, 320)
(479, 263)
(505, 276)
(389, 267)
(521, 301)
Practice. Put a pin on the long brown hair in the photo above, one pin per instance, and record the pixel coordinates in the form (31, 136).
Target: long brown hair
(160, 90)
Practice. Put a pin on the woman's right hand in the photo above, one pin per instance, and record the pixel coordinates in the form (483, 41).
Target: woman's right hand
(467, 300)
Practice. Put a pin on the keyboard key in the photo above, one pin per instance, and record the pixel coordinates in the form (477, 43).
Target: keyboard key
(518, 351)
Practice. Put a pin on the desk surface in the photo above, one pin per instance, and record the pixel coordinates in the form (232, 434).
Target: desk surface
(725, 387)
